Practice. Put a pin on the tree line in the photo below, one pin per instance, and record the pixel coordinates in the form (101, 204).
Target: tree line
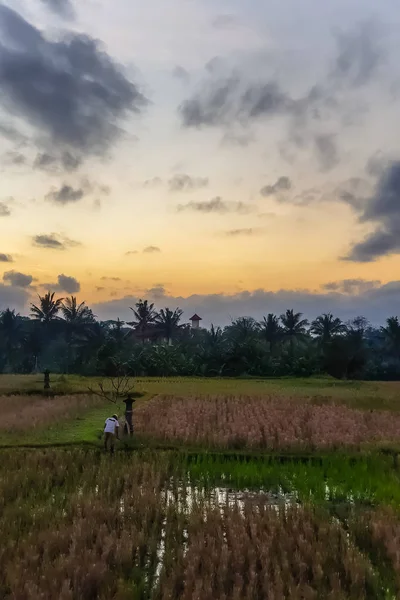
(64, 336)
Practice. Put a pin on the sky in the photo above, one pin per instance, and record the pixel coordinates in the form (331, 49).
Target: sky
(230, 158)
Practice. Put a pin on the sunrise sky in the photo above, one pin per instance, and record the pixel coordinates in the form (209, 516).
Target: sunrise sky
(228, 157)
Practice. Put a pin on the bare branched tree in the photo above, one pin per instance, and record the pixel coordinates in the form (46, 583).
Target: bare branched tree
(118, 387)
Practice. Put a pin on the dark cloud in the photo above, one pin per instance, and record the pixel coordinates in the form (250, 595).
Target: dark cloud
(283, 184)
(65, 195)
(231, 100)
(70, 90)
(7, 258)
(14, 158)
(376, 304)
(64, 8)
(4, 210)
(157, 292)
(54, 242)
(383, 209)
(181, 74)
(53, 162)
(13, 297)
(17, 279)
(186, 183)
(68, 284)
(215, 205)
(351, 286)
(376, 164)
(360, 53)
(327, 152)
(249, 231)
(151, 250)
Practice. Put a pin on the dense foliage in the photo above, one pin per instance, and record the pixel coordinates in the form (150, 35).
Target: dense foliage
(65, 337)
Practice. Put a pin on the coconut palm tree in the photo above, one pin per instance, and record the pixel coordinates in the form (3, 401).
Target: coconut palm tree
(168, 322)
(145, 315)
(271, 331)
(10, 332)
(327, 326)
(243, 329)
(293, 327)
(48, 308)
(391, 334)
(76, 315)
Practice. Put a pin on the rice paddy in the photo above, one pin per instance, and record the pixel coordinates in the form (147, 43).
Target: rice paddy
(233, 493)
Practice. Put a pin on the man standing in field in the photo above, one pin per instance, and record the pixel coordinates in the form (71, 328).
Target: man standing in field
(111, 431)
(129, 400)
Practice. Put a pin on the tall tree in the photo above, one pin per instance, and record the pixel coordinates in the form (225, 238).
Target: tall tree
(293, 327)
(391, 334)
(271, 331)
(327, 326)
(11, 333)
(243, 329)
(168, 322)
(48, 308)
(145, 315)
(76, 315)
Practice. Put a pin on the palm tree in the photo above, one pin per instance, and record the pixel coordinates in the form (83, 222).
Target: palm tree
(76, 315)
(48, 308)
(11, 332)
(271, 331)
(327, 326)
(294, 327)
(391, 333)
(168, 322)
(243, 329)
(145, 315)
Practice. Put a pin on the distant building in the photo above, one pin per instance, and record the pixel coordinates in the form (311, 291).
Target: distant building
(195, 320)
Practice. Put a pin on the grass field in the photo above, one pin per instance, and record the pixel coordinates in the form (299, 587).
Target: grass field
(230, 489)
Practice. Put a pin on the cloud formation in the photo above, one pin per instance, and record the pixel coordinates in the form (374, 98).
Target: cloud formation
(216, 205)
(68, 284)
(17, 279)
(64, 8)
(69, 90)
(185, 183)
(383, 210)
(326, 150)
(283, 184)
(151, 250)
(7, 258)
(53, 162)
(65, 195)
(54, 242)
(4, 210)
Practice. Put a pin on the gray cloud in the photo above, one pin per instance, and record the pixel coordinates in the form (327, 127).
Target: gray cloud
(4, 210)
(7, 258)
(63, 8)
(131, 252)
(351, 286)
(360, 53)
(247, 231)
(151, 250)
(14, 158)
(327, 152)
(383, 208)
(152, 183)
(68, 284)
(17, 279)
(186, 183)
(375, 304)
(182, 74)
(54, 242)
(54, 162)
(157, 292)
(65, 195)
(69, 90)
(13, 297)
(283, 184)
(216, 205)
(225, 21)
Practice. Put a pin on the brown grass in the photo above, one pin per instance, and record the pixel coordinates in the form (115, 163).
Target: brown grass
(82, 526)
(268, 422)
(25, 413)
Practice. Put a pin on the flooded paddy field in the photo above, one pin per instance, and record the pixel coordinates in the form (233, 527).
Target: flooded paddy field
(150, 524)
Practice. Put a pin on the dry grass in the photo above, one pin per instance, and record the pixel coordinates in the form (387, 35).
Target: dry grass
(81, 526)
(267, 423)
(27, 413)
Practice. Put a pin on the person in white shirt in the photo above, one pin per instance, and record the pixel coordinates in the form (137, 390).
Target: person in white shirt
(111, 431)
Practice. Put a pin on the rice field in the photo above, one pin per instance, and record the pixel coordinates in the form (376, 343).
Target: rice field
(228, 490)
(81, 525)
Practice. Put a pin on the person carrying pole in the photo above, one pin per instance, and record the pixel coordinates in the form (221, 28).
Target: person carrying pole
(129, 400)
(111, 432)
